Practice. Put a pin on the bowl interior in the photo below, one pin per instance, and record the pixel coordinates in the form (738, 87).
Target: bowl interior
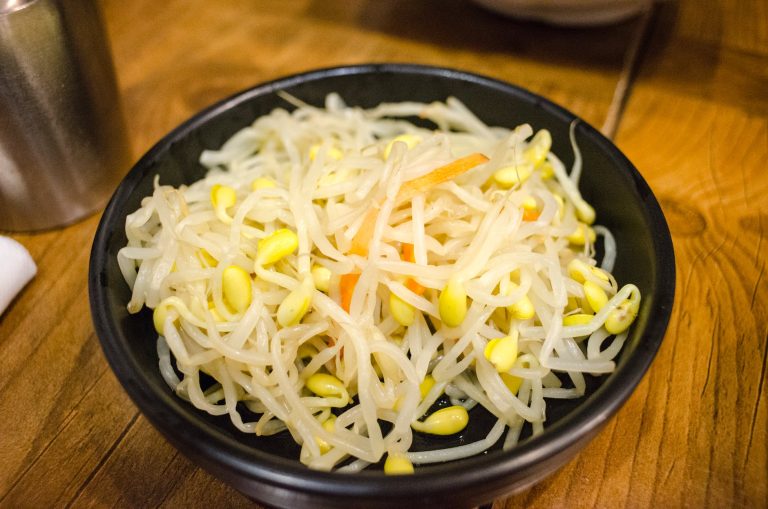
(623, 202)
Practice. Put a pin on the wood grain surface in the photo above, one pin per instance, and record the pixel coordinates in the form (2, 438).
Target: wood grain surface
(694, 121)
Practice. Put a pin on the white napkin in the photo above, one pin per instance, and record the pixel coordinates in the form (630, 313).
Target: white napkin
(16, 269)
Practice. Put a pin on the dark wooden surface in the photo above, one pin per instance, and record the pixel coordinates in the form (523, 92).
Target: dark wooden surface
(694, 121)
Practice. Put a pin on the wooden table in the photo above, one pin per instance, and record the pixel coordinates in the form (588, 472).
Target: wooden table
(694, 121)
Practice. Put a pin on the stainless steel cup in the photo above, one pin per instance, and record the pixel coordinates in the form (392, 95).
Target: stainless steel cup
(63, 146)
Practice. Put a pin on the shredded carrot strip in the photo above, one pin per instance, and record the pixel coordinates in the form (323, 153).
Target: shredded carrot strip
(408, 252)
(411, 283)
(415, 287)
(347, 288)
(530, 215)
(410, 189)
(363, 236)
(439, 175)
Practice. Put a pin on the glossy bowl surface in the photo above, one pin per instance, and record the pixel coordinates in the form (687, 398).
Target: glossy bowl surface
(266, 468)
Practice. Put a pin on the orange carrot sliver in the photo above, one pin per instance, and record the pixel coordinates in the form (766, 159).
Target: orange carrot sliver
(347, 288)
(408, 253)
(530, 215)
(363, 236)
(414, 286)
(410, 189)
(411, 283)
(439, 175)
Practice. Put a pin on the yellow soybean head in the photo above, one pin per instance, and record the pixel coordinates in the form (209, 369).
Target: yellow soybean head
(446, 421)
(409, 139)
(207, 259)
(426, 385)
(397, 464)
(321, 276)
(402, 312)
(547, 171)
(335, 153)
(222, 196)
(296, 304)
(573, 304)
(386, 367)
(323, 445)
(576, 270)
(577, 319)
(522, 309)
(622, 317)
(595, 295)
(514, 175)
(236, 287)
(452, 303)
(263, 183)
(276, 246)
(502, 352)
(327, 386)
(585, 212)
(159, 314)
(538, 148)
(529, 203)
(581, 235)
(332, 152)
(329, 425)
(512, 382)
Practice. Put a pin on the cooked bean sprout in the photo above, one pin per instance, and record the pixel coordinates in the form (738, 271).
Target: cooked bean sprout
(339, 271)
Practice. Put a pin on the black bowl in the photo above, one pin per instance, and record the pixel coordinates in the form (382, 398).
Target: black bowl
(267, 469)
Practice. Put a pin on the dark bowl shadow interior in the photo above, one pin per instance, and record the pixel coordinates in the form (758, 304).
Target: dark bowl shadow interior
(266, 468)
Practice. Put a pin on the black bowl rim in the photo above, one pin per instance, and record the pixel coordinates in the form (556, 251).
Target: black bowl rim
(260, 467)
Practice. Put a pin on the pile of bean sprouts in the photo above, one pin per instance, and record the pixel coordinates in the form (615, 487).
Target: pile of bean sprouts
(328, 167)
